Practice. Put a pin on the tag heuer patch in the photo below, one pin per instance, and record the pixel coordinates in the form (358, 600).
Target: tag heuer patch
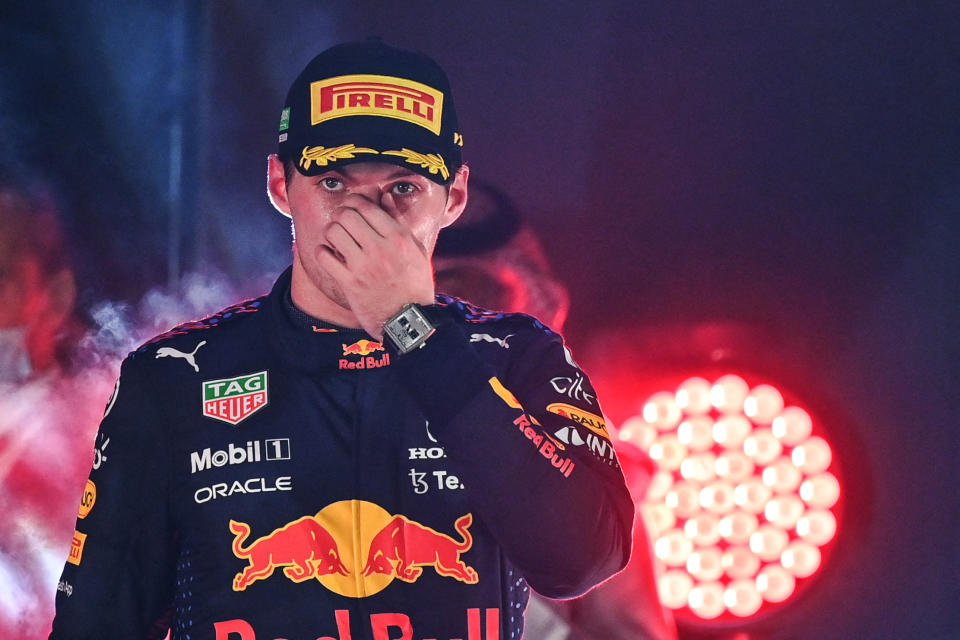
(235, 399)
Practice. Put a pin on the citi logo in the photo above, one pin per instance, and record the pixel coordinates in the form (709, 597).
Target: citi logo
(273, 449)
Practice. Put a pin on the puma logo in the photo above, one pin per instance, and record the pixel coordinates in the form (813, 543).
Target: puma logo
(477, 337)
(170, 352)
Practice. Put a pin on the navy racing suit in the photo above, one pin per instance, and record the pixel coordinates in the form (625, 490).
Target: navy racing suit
(261, 475)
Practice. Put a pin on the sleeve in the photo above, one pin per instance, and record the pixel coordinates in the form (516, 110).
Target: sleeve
(117, 580)
(533, 452)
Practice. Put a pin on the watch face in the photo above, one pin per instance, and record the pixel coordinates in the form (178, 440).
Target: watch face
(408, 329)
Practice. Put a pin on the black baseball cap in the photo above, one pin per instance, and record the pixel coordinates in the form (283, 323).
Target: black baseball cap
(368, 101)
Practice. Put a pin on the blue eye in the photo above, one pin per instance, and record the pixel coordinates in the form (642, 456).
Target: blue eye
(331, 184)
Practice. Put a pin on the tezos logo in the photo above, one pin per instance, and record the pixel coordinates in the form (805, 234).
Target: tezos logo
(235, 399)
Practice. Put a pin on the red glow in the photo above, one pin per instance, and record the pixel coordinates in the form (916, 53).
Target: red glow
(741, 504)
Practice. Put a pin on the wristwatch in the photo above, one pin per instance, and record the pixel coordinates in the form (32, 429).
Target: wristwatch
(409, 329)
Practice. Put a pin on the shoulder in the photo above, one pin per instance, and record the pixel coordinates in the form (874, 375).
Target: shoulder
(183, 340)
(496, 327)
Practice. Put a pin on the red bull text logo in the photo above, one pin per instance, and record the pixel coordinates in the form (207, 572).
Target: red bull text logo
(364, 348)
(547, 446)
(382, 627)
(235, 399)
(390, 546)
(375, 95)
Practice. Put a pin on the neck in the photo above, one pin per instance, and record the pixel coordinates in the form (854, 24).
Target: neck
(313, 301)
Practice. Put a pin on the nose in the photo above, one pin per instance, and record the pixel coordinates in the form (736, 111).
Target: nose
(374, 193)
(369, 190)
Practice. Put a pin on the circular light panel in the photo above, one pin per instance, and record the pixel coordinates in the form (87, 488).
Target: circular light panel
(744, 499)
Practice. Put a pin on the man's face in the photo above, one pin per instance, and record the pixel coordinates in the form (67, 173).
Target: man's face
(419, 204)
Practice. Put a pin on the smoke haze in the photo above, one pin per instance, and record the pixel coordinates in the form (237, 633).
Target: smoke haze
(48, 426)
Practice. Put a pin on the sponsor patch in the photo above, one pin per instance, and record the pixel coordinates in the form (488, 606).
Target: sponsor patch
(482, 624)
(285, 119)
(599, 447)
(272, 449)
(572, 387)
(317, 329)
(376, 95)
(99, 452)
(233, 400)
(170, 352)
(354, 548)
(65, 588)
(546, 445)
(584, 418)
(363, 349)
(486, 337)
(76, 548)
(504, 393)
(250, 485)
(88, 499)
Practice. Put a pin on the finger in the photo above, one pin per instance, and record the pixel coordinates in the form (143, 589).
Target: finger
(356, 225)
(330, 262)
(340, 240)
(376, 216)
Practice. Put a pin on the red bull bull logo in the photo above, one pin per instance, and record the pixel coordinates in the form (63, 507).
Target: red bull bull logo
(364, 348)
(404, 547)
(385, 547)
(304, 548)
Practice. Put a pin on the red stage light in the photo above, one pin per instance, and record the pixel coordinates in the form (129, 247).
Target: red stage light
(742, 502)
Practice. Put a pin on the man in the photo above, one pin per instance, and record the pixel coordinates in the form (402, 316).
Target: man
(349, 456)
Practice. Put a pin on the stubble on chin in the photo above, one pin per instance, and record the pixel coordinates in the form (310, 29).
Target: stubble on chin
(323, 282)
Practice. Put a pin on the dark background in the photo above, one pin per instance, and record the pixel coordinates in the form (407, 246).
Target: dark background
(789, 170)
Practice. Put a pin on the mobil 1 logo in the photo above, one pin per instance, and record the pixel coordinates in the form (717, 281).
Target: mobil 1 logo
(251, 451)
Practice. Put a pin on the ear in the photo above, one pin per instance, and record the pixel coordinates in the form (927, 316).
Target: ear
(456, 197)
(277, 185)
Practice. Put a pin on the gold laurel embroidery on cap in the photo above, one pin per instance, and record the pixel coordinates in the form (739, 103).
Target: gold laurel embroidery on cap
(457, 139)
(323, 155)
(430, 161)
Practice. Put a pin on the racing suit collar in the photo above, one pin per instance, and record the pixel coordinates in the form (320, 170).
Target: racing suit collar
(313, 346)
